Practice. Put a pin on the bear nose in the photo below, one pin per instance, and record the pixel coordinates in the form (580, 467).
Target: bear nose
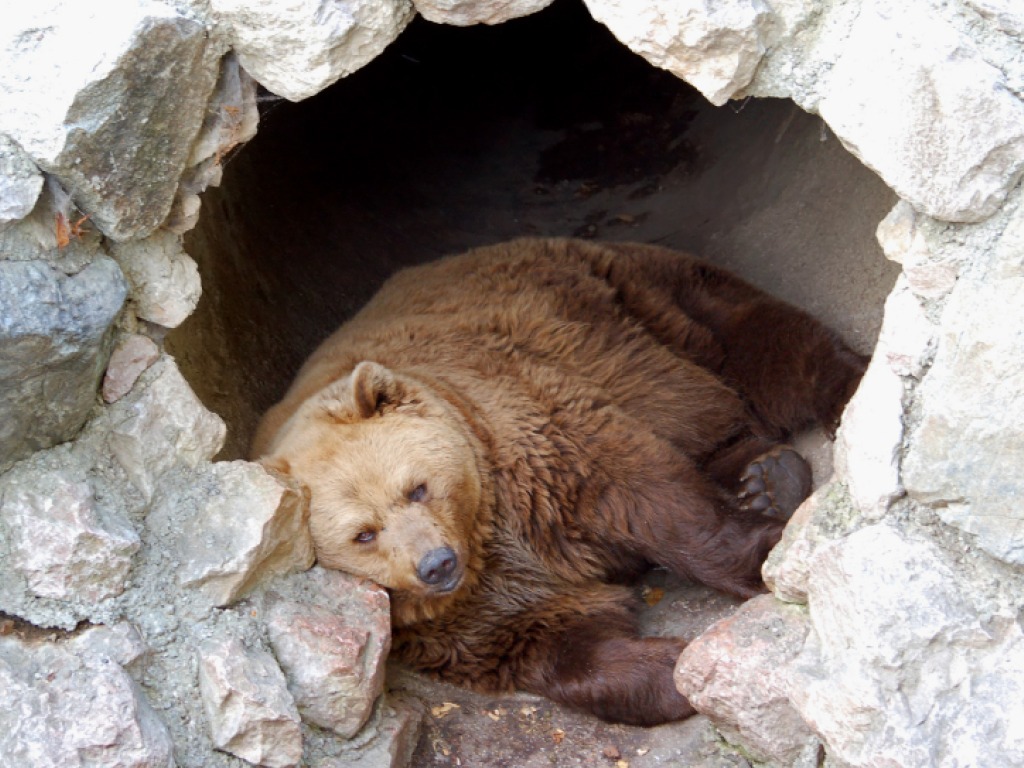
(436, 566)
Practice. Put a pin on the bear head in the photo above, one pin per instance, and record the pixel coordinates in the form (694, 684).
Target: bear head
(396, 488)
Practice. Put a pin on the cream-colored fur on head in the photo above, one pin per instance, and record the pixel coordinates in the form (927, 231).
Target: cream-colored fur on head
(392, 475)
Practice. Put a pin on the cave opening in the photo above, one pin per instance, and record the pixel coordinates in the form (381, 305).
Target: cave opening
(458, 137)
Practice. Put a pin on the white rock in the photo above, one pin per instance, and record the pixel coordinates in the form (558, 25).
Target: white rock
(296, 48)
(786, 569)
(869, 439)
(235, 525)
(20, 182)
(714, 46)
(826, 515)
(61, 543)
(907, 335)
(332, 647)
(250, 712)
(108, 97)
(903, 241)
(185, 212)
(1007, 14)
(68, 706)
(132, 355)
(811, 35)
(463, 13)
(917, 103)
(159, 425)
(28, 238)
(965, 455)
(119, 642)
(898, 235)
(391, 742)
(165, 283)
(898, 670)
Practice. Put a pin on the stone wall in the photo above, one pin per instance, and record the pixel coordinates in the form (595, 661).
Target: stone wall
(151, 617)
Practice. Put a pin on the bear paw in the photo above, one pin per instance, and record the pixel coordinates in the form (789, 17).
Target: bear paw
(775, 483)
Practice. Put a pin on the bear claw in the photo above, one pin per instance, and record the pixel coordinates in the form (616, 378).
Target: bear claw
(775, 483)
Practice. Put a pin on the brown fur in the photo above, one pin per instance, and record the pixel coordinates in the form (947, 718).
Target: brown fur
(558, 415)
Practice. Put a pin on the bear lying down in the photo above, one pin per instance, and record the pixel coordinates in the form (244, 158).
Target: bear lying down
(505, 438)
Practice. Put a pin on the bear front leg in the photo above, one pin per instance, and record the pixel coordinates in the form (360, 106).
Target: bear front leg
(599, 664)
(792, 370)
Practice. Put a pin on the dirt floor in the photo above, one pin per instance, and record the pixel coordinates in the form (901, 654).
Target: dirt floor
(543, 126)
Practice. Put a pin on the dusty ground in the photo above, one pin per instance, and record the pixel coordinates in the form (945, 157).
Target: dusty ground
(461, 137)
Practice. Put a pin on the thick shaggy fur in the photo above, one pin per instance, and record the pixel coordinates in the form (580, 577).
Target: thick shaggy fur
(503, 438)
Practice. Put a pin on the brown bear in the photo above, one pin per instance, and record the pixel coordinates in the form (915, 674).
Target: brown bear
(505, 438)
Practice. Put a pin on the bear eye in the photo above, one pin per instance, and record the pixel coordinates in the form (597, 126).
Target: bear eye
(418, 494)
(365, 537)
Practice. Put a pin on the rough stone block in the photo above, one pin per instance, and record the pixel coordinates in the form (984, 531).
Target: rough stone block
(60, 541)
(388, 741)
(121, 643)
(900, 668)
(332, 646)
(907, 335)
(234, 525)
(735, 673)
(903, 241)
(869, 440)
(296, 48)
(250, 712)
(161, 424)
(395, 737)
(715, 47)
(116, 120)
(463, 13)
(133, 353)
(55, 331)
(69, 707)
(826, 515)
(20, 182)
(917, 102)
(1007, 14)
(165, 285)
(965, 454)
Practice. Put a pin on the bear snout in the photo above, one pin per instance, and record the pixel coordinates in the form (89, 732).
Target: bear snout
(438, 569)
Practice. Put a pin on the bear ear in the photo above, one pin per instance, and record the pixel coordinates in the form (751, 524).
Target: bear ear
(369, 390)
(374, 388)
(276, 464)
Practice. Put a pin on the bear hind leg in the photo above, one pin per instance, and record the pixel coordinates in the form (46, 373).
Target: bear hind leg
(599, 664)
(791, 370)
(775, 483)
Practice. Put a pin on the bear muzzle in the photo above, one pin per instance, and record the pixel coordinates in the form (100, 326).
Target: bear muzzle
(439, 569)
